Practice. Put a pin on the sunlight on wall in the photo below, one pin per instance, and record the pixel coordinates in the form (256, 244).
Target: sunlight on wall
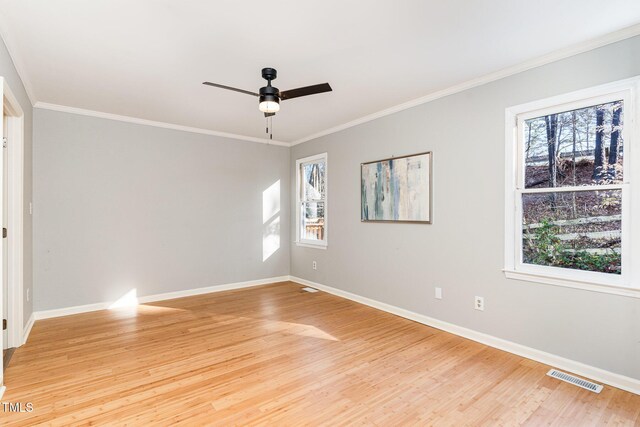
(270, 238)
(130, 299)
(270, 220)
(271, 201)
(129, 304)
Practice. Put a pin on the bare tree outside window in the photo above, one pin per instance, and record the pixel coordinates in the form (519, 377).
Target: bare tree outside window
(574, 224)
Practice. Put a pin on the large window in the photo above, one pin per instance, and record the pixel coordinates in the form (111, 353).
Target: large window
(312, 201)
(568, 189)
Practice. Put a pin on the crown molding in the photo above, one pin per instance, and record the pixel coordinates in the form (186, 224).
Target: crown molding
(557, 55)
(560, 54)
(17, 63)
(138, 121)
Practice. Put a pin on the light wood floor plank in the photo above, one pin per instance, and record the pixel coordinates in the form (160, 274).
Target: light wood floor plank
(274, 355)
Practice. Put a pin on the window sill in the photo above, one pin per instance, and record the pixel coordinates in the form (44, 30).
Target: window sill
(312, 245)
(576, 284)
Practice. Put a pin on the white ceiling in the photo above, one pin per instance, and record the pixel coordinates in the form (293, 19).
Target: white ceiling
(147, 58)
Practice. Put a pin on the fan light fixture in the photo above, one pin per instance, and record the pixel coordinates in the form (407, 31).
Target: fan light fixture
(269, 104)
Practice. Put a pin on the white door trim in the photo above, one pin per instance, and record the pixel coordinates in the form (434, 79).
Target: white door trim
(15, 226)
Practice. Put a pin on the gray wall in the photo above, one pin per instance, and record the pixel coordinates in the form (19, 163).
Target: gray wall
(462, 252)
(8, 71)
(121, 206)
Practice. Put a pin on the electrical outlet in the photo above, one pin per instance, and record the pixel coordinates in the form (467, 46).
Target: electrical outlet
(315, 265)
(479, 303)
(28, 294)
(438, 293)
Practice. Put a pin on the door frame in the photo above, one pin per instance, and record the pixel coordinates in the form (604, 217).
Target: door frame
(15, 209)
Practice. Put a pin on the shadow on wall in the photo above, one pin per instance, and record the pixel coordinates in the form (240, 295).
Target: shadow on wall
(270, 220)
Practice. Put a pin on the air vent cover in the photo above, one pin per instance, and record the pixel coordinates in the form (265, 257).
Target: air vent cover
(309, 289)
(596, 388)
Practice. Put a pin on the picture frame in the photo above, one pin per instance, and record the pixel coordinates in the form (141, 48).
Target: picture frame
(397, 189)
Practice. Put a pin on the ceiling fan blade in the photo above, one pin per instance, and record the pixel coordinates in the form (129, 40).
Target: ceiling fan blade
(230, 88)
(269, 114)
(304, 91)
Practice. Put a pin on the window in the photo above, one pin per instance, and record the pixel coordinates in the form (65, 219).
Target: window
(311, 184)
(568, 189)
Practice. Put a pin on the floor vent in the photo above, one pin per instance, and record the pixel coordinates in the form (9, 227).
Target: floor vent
(307, 289)
(596, 388)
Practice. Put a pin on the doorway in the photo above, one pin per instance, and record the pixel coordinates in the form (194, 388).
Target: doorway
(11, 218)
(5, 276)
(7, 351)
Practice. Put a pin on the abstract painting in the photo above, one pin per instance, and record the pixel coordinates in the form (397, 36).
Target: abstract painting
(397, 189)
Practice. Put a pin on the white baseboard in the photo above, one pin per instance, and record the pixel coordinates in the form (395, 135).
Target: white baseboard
(27, 328)
(47, 314)
(616, 380)
(67, 311)
(2, 390)
(210, 289)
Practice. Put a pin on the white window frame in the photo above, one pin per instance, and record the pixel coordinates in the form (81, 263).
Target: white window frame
(627, 283)
(318, 244)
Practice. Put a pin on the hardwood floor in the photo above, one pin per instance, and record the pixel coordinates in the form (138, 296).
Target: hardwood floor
(6, 357)
(274, 355)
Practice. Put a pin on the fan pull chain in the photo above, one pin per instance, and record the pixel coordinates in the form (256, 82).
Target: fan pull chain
(269, 128)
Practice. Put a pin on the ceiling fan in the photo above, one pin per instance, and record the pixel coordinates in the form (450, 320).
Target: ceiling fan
(270, 96)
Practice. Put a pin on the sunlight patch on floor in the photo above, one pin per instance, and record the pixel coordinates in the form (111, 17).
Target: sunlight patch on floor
(297, 329)
(157, 309)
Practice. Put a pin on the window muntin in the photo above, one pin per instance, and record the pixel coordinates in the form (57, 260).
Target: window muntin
(312, 202)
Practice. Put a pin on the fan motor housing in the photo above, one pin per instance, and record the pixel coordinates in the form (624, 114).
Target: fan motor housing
(269, 93)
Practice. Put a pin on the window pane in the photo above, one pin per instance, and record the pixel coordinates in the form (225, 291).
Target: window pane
(579, 147)
(578, 230)
(312, 221)
(313, 176)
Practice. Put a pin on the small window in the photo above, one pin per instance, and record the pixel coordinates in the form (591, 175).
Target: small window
(312, 200)
(568, 200)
